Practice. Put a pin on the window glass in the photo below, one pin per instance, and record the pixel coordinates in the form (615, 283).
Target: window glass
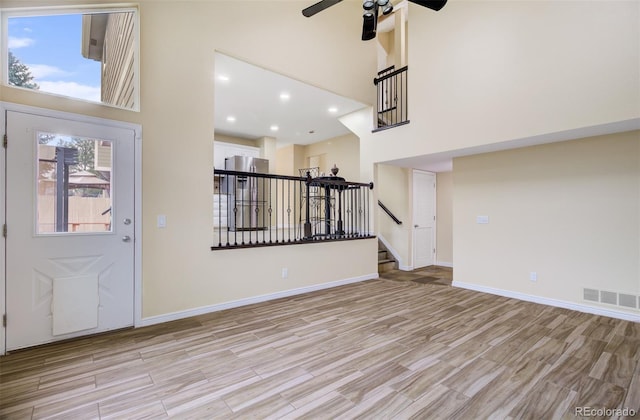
(88, 56)
(73, 184)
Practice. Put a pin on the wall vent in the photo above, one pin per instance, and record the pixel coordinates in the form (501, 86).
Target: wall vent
(592, 295)
(611, 298)
(628, 301)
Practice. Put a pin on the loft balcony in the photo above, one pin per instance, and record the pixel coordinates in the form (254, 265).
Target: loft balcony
(391, 103)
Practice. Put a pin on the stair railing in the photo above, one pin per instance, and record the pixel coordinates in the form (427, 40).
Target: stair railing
(389, 213)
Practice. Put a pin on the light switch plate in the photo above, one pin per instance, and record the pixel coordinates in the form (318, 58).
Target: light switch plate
(162, 221)
(482, 220)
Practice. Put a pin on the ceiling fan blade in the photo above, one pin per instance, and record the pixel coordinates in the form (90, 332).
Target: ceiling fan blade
(319, 7)
(431, 4)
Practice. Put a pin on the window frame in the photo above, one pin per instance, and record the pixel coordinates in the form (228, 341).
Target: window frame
(11, 12)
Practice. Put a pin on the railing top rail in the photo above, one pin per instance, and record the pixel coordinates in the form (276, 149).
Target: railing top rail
(339, 182)
(389, 213)
(258, 175)
(389, 75)
(315, 181)
(383, 71)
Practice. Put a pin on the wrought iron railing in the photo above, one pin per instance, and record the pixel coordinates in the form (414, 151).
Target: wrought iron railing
(391, 103)
(252, 209)
(389, 213)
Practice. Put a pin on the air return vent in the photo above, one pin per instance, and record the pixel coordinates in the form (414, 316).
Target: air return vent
(592, 295)
(611, 298)
(628, 301)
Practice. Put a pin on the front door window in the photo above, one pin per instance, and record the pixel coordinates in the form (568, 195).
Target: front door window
(73, 184)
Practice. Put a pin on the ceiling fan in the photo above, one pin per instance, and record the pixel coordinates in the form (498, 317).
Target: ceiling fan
(371, 10)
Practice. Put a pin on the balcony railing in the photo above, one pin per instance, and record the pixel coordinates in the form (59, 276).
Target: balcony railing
(391, 103)
(252, 209)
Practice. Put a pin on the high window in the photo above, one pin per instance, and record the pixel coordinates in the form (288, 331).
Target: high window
(88, 54)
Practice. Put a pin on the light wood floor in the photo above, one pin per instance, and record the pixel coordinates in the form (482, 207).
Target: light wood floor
(381, 349)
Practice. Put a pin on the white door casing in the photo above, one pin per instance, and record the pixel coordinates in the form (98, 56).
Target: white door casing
(64, 285)
(424, 214)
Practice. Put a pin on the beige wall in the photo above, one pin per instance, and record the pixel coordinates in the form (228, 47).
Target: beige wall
(444, 218)
(392, 186)
(179, 270)
(236, 140)
(343, 151)
(569, 211)
(484, 72)
(488, 72)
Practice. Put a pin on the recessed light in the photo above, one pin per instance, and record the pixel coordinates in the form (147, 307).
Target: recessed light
(333, 110)
(223, 78)
(231, 119)
(274, 128)
(285, 96)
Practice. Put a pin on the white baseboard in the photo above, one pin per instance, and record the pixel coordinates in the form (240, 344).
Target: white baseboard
(251, 300)
(444, 264)
(550, 302)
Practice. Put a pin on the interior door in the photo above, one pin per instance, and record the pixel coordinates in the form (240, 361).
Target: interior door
(424, 216)
(70, 229)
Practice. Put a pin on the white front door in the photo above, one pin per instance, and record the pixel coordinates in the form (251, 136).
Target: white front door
(70, 229)
(424, 216)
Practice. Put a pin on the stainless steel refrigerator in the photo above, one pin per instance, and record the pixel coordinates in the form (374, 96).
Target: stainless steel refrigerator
(246, 205)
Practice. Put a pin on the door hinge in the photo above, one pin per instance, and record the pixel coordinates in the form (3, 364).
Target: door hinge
(4, 230)
(4, 320)
(5, 141)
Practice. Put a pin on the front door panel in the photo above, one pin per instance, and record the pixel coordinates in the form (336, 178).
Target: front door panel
(70, 230)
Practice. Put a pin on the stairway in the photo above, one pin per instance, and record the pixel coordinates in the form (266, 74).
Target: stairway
(386, 262)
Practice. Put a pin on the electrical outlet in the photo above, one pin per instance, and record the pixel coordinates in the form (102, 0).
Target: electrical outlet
(285, 273)
(533, 276)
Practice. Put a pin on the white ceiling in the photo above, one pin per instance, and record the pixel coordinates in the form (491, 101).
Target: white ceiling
(252, 95)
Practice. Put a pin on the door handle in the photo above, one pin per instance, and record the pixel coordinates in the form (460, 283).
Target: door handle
(126, 238)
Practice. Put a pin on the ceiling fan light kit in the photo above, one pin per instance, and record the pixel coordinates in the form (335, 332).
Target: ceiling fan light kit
(369, 24)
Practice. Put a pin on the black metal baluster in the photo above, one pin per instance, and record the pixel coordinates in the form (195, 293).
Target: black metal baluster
(219, 212)
(270, 210)
(289, 210)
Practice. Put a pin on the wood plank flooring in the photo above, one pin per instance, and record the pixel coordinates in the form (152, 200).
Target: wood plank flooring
(392, 348)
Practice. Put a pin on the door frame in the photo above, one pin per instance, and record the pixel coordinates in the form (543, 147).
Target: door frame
(413, 215)
(137, 190)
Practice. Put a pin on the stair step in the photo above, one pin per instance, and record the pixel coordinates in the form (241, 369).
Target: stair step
(386, 262)
(386, 266)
